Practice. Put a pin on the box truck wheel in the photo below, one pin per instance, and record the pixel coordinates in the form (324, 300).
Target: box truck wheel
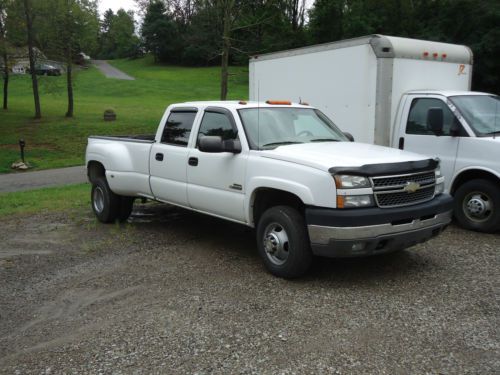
(477, 206)
(283, 242)
(105, 203)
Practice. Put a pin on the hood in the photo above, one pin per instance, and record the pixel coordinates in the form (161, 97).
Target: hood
(324, 155)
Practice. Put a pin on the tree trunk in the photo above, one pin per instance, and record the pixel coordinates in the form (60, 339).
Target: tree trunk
(69, 83)
(226, 46)
(5, 81)
(34, 80)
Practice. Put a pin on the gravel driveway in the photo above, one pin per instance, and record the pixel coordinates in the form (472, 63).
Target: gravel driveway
(175, 292)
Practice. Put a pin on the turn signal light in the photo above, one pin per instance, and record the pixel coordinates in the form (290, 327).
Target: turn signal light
(340, 201)
(279, 102)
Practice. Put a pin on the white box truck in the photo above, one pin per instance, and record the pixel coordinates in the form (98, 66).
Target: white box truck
(404, 93)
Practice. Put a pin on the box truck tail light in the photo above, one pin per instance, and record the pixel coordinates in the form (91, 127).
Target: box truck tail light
(435, 55)
(444, 55)
(426, 54)
(279, 102)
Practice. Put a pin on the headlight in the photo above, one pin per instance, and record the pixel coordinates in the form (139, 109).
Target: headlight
(353, 201)
(343, 181)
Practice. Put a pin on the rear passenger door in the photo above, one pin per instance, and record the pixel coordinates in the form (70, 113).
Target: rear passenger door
(216, 180)
(169, 157)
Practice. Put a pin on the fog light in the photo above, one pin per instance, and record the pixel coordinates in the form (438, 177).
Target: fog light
(358, 246)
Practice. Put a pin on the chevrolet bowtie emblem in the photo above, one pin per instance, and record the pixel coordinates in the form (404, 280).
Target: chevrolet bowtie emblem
(411, 187)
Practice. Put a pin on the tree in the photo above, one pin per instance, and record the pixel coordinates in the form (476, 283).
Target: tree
(3, 51)
(159, 32)
(67, 28)
(28, 12)
(118, 37)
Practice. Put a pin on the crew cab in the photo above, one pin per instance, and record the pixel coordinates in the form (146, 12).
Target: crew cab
(284, 169)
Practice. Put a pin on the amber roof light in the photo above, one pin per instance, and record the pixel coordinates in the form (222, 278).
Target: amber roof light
(279, 102)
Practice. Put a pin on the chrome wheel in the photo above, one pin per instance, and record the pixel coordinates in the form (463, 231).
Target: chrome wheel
(477, 206)
(98, 199)
(276, 243)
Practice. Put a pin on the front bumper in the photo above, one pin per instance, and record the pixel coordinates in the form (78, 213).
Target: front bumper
(359, 232)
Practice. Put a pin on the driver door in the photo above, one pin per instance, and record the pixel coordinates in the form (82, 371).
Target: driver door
(418, 133)
(216, 181)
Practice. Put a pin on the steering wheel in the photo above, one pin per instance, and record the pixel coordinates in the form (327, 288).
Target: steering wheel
(305, 132)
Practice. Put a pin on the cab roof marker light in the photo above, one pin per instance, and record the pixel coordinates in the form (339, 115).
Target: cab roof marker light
(279, 102)
(435, 55)
(444, 55)
(242, 102)
(426, 54)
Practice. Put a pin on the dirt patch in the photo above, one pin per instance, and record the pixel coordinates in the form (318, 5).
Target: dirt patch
(177, 292)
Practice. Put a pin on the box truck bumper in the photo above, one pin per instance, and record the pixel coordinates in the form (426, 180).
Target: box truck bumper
(369, 231)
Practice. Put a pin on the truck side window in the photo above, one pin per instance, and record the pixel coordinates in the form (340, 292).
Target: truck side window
(418, 119)
(214, 123)
(178, 128)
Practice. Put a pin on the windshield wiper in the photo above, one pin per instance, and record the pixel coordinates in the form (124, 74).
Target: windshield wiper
(280, 143)
(324, 140)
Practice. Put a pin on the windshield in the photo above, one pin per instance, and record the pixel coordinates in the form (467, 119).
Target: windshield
(268, 128)
(482, 112)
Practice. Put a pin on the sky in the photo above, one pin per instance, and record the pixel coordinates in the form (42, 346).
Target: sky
(116, 4)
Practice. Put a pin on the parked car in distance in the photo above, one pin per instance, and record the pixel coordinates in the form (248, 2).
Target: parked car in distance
(284, 169)
(47, 70)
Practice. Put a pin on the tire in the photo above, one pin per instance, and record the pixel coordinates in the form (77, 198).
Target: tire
(283, 242)
(477, 206)
(126, 205)
(105, 203)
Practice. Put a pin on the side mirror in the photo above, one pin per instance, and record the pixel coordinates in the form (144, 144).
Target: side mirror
(435, 120)
(232, 145)
(211, 143)
(349, 136)
(215, 144)
(455, 128)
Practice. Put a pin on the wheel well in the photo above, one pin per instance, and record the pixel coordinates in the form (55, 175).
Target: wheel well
(95, 170)
(265, 198)
(472, 174)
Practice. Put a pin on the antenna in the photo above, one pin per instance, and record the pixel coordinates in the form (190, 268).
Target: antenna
(258, 115)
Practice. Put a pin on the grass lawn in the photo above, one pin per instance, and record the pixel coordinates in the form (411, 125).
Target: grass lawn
(55, 141)
(34, 201)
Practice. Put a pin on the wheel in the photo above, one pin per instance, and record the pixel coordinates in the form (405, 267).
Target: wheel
(105, 203)
(126, 205)
(283, 242)
(477, 206)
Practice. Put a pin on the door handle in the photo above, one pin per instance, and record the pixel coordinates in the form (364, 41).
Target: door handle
(193, 161)
(401, 143)
(159, 156)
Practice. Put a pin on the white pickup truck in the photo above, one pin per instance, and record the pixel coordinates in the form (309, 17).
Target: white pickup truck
(284, 169)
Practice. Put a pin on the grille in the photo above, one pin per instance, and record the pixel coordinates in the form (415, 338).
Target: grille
(404, 198)
(423, 179)
(390, 191)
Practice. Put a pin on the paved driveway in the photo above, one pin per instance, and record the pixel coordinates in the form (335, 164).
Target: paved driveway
(40, 179)
(110, 71)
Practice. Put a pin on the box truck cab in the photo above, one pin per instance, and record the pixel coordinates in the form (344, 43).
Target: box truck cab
(404, 93)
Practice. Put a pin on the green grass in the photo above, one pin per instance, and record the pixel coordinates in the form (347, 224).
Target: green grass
(55, 141)
(45, 200)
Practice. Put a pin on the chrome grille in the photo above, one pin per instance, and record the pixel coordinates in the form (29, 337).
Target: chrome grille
(423, 179)
(394, 191)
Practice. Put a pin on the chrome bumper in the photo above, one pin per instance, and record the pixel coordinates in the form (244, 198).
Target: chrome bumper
(323, 235)
(374, 239)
